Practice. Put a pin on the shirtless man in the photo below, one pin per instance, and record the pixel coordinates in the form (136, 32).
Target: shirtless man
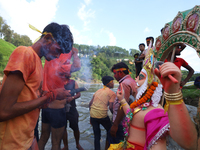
(56, 75)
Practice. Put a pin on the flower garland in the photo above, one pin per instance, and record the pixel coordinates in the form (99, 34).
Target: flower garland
(129, 114)
(147, 96)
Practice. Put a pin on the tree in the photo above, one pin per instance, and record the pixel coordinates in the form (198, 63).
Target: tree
(7, 33)
(133, 51)
(26, 41)
(2, 22)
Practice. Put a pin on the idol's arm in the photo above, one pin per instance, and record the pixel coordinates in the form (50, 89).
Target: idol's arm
(182, 129)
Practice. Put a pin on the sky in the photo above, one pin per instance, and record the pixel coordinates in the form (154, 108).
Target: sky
(122, 23)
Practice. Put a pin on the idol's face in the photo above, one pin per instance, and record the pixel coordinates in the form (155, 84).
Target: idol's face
(140, 79)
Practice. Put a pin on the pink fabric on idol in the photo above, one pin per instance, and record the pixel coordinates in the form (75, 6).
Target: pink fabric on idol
(156, 124)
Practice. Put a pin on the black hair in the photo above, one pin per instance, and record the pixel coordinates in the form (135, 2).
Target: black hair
(150, 37)
(142, 44)
(106, 79)
(62, 35)
(136, 54)
(161, 30)
(120, 65)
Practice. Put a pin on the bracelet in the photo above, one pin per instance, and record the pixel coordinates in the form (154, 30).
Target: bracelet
(173, 96)
(123, 105)
(51, 96)
(123, 101)
(136, 110)
(172, 103)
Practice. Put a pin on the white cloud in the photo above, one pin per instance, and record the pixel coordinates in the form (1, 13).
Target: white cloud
(79, 37)
(190, 55)
(147, 30)
(19, 13)
(84, 15)
(90, 42)
(112, 39)
(87, 1)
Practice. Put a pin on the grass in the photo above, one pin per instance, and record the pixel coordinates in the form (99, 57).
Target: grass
(6, 49)
(191, 95)
(191, 91)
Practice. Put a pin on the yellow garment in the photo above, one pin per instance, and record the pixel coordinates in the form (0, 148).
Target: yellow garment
(120, 145)
(99, 107)
(18, 133)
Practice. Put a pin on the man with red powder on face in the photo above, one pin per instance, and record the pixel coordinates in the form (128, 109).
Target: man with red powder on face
(121, 74)
(180, 62)
(56, 73)
(20, 96)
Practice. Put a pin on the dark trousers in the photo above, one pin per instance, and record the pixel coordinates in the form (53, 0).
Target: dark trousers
(106, 123)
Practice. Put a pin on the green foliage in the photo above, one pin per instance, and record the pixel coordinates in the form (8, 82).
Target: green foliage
(133, 51)
(6, 49)
(185, 73)
(19, 40)
(11, 37)
(191, 92)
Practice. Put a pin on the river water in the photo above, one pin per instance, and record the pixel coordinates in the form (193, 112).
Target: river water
(86, 131)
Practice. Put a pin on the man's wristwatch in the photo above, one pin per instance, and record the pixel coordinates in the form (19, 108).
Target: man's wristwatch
(72, 97)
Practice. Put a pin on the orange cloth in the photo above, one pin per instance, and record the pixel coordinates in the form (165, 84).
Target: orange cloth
(18, 133)
(99, 107)
(55, 70)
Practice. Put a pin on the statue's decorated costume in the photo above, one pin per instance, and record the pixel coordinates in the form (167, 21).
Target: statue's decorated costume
(156, 120)
(143, 112)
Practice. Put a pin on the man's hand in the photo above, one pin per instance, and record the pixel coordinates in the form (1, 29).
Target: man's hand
(69, 99)
(120, 92)
(163, 73)
(74, 51)
(61, 93)
(113, 130)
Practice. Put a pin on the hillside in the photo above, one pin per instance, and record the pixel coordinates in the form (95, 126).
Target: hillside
(6, 49)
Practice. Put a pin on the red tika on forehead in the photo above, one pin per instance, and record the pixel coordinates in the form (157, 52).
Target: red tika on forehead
(121, 69)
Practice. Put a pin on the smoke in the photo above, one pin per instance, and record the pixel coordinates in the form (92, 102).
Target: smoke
(86, 71)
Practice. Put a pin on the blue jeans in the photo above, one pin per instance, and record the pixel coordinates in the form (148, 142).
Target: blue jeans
(119, 136)
(106, 123)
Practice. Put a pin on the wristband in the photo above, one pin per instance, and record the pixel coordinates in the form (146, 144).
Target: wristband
(172, 103)
(122, 101)
(123, 105)
(51, 96)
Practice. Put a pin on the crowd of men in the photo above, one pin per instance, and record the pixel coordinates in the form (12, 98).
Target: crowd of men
(27, 88)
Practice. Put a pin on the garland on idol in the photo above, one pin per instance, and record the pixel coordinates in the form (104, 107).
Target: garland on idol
(142, 103)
